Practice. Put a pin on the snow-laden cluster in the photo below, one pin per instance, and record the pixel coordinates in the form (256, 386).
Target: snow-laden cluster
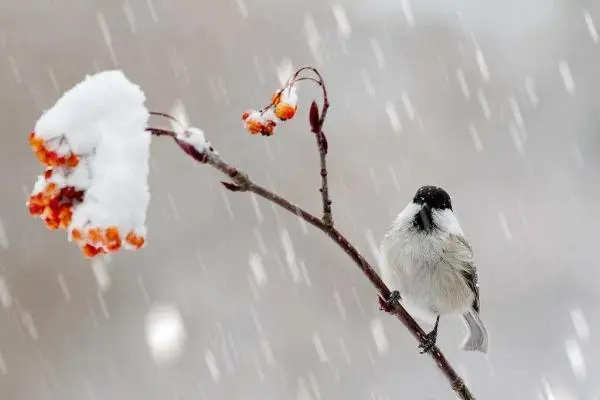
(283, 107)
(95, 147)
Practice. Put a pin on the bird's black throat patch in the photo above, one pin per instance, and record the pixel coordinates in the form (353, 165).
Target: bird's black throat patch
(423, 219)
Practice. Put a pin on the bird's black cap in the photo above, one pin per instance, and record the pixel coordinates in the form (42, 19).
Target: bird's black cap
(434, 196)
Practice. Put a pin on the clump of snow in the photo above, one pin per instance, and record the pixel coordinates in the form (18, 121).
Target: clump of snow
(196, 138)
(86, 112)
(180, 124)
(96, 147)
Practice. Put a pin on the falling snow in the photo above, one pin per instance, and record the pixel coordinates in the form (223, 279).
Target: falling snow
(258, 271)
(320, 348)
(590, 24)
(290, 256)
(530, 88)
(504, 226)
(476, 139)
(3, 237)
(100, 271)
(211, 363)
(342, 20)
(379, 337)
(29, 325)
(565, 73)
(313, 39)
(242, 7)
(392, 113)
(408, 106)
(462, 81)
(483, 67)
(284, 71)
(369, 88)
(575, 355)
(408, 14)
(581, 325)
(107, 38)
(5, 297)
(129, 14)
(484, 104)
(516, 111)
(232, 295)
(3, 367)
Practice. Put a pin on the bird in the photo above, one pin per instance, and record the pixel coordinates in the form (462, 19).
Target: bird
(426, 256)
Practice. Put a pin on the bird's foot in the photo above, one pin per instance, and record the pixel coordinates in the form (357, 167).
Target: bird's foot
(428, 342)
(388, 303)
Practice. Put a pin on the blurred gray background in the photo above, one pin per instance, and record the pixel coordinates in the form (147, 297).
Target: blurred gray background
(496, 101)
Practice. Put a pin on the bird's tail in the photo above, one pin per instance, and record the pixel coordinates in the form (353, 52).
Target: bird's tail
(477, 338)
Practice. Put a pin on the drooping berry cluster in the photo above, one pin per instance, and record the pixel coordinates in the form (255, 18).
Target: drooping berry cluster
(282, 108)
(94, 147)
(56, 196)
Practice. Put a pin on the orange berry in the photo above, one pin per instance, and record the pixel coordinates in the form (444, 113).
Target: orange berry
(76, 234)
(112, 233)
(114, 246)
(48, 212)
(41, 156)
(51, 222)
(65, 215)
(50, 188)
(48, 173)
(113, 239)
(51, 191)
(95, 235)
(135, 240)
(285, 111)
(35, 208)
(53, 160)
(90, 251)
(72, 161)
(254, 126)
(35, 142)
(246, 114)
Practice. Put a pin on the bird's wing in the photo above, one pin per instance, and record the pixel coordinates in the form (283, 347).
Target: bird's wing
(461, 251)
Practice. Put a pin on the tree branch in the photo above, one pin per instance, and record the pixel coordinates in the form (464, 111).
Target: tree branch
(242, 183)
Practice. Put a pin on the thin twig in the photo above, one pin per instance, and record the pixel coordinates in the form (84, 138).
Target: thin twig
(243, 183)
(317, 119)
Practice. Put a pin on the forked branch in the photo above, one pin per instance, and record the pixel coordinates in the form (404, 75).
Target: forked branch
(241, 182)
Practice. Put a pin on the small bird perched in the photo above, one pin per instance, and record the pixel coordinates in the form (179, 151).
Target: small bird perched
(426, 256)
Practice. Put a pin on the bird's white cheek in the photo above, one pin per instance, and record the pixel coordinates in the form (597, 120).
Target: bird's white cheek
(446, 221)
